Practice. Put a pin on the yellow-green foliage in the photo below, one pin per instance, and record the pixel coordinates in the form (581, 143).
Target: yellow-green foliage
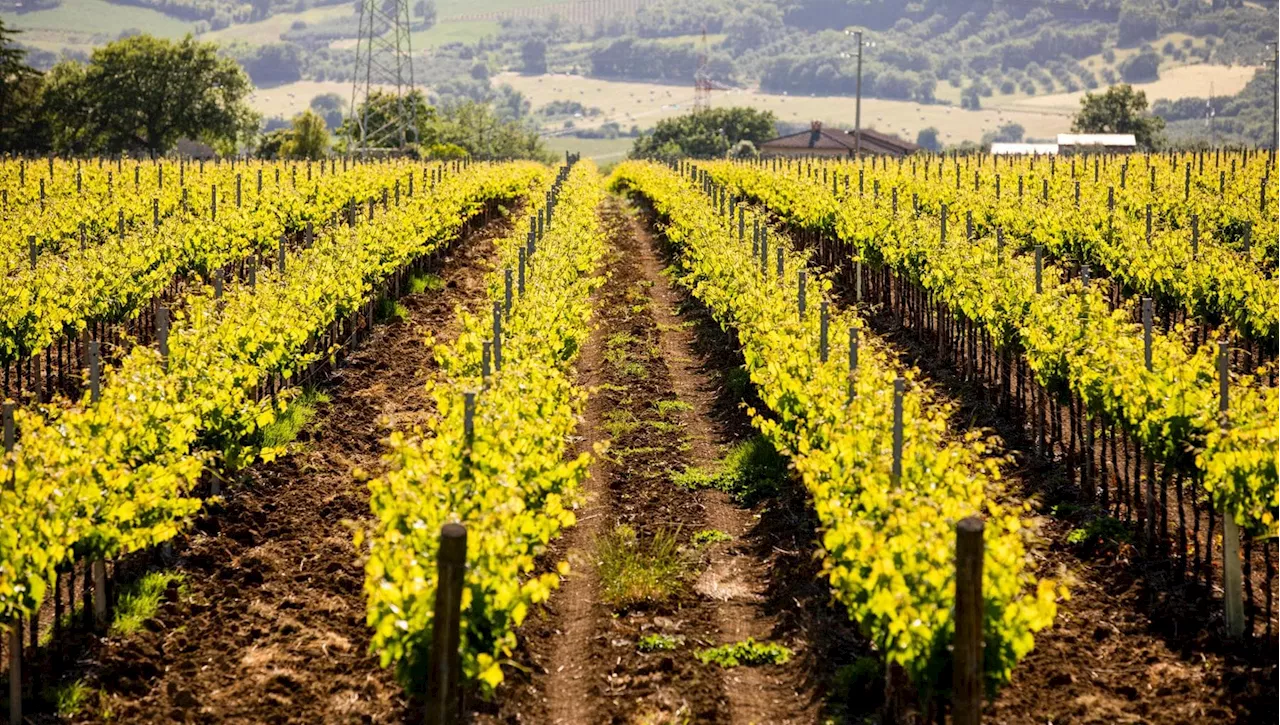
(1069, 335)
(514, 488)
(106, 478)
(889, 549)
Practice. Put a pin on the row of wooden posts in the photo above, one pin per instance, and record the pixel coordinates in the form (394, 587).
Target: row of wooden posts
(443, 686)
(1233, 607)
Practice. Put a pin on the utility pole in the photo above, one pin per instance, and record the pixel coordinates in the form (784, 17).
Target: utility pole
(857, 108)
(1274, 60)
(857, 103)
(384, 75)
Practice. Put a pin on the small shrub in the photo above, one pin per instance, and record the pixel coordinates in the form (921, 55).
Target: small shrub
(639, 572)
(710, 536)
(659, 643)
(751, 471)
(747, 652)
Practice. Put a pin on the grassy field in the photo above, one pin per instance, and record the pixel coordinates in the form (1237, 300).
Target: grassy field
(293, 98)
(602, 150)
(644, 104)
(269, 30)
(468, 31)
(1178, 82)
(75, 23)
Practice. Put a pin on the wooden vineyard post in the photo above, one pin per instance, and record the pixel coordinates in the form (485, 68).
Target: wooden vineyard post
(1232, 583)
(162, 334)
(823, 321)
(444, 665)
(857, 281)
(1148, 313)
(98, 567)
(800, 293)
(15, 627)
(898, 385)
(967, 651)
(853, 361)
(497, 336)
(507, 292)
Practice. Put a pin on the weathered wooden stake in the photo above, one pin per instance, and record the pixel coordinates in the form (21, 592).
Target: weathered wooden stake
(898, 386)
(443, 669)
(823, 322)
(1232, 582)
(162, 334)
(15, 667)
(966, 690)
(853, 361)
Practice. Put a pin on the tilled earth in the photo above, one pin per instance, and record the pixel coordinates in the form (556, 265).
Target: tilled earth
(272, 626)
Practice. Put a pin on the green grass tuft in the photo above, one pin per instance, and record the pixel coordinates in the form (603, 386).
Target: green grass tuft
(285, 428)
(658, 643)
(746, 652)
(752, 470)
(710, 536)
(637, 572)
(140, 599)
(667, 407)
(67, 698)
(1101, 535)
(422, 282)
(389, 309)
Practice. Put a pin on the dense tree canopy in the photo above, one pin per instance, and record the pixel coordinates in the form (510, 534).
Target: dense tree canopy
(1119, 109)
(144, 93)
(20, 126)
(476, 128)
(705, 134)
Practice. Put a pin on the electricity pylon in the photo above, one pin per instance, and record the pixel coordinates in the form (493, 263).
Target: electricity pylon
(384, 116)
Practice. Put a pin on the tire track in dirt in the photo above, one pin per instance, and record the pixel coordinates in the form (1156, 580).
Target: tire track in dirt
(579, 652)
(273, 627)
(736, 577)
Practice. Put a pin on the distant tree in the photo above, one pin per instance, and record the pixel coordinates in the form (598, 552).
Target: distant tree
(1144, 66)
(533, 55)
(274, 64)
(1119, 109)
(271, 144)
(308, 138)
(20, 126)
(1008, 133)
(329, 106)
(145, 93)
(706, 134)
(744, 149)
(426, 12)
(480, 72)
(928, 139)
(474, 127)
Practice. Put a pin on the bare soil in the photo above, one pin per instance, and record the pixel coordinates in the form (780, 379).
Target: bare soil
(653, 345)
(1132, 644)
(273, 629)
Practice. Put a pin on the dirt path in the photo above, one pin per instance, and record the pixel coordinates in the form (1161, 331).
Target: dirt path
(667, 394)
(737, 574)
(273, 627)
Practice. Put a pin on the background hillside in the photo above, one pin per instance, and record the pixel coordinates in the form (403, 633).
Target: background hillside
(603, 70)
